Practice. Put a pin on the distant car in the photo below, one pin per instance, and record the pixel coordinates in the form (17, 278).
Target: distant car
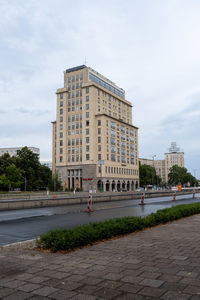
(139, 189)
(123, 190)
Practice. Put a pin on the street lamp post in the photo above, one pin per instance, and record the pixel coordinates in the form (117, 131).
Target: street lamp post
(153, 156)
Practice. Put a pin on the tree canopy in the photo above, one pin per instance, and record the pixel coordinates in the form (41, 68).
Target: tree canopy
(180, 175)
(148, 175)
(24, 171)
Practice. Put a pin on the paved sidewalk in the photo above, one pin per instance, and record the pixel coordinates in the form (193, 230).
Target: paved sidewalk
(157, 263)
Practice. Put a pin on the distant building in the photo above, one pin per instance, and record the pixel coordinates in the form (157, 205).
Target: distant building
(47, 163)
(95, 145)
(173, 157)
(12, 151)
(162, 166)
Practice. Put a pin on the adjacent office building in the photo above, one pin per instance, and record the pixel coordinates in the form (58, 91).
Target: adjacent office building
(95, 145)
(162, 166)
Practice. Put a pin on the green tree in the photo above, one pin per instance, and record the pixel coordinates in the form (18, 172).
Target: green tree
(29, 164)
(148, 175)
(180, 175)
(55, 183)
(14, 176)
(4, 183)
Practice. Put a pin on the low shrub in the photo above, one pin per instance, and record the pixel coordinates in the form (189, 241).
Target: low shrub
(66, 239)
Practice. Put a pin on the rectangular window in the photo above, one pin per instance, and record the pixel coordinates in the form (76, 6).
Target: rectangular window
(99, 156)
(87, 98)
(99, 122)
(99, 139)
(61, 134)
(87, 148)
(61, 96)
(87, 90)
(99, 130)
(87, 114)
(87, 139)
(61, 159)
(99, 147)
(61, 143)
(61, 119)
(87, 156)
(87, 106)
(87, 131)
(87, 123)
(73, 142)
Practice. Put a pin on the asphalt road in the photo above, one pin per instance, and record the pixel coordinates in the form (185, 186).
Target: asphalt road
(20, 225)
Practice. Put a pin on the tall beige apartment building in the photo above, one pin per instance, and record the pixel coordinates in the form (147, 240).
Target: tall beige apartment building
(95, 145)
(162, 166)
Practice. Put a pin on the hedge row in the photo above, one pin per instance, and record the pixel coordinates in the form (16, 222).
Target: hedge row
(66, 239)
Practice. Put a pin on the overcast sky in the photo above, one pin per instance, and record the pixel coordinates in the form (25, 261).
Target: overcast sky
(150, 48)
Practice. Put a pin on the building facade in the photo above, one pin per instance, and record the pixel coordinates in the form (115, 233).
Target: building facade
(12, 151)
(162, 166)
(95, 145)
(173, 157)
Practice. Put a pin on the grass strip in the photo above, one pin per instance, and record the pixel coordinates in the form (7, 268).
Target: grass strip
(79, 236)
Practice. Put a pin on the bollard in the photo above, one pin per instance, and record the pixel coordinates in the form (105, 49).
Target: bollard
(142, 199)
(174, 196)
(193, 194)
(89, 205)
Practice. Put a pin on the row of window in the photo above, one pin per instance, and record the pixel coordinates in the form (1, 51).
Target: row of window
(125, 171)
(106, 85)
(74, 78)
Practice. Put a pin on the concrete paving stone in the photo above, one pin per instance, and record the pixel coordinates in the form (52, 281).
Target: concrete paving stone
(62, 295)
(152, 282)
(195, 298)
(98, 273)
(12, 284)
(131, 288)
(174, 286)
(28, 287)
(80, 271)
(83, 297)
(37, 297)
(87, 289)
(68, 285)
(18, 295)
(152, 292)
(45, 291)
(149, 269)
(24, 276)
(34, 270)
(111, 284)
(52, 282)
(129, 296)
(150, 275)
(192, 290)
(170, 278)
(46, 273)
(37, 279)
(113, 276)
(187, 274)
(131, 279)
(76, 278)
(60, 275)
(133, 273)
(107, 293)
(91, 280)
(172, 295)
(5, 292)
(191, 281)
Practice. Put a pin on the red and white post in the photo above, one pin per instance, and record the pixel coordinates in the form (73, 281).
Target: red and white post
(174, 196)
(89, 204)
(142, 199)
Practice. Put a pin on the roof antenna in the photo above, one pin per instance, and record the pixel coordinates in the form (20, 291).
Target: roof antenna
(85, 62)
